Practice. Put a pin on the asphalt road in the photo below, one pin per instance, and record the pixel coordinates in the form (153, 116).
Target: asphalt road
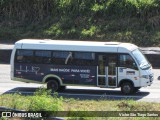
(149, 94)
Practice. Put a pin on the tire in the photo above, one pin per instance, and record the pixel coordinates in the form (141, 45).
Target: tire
(127, 88)
(52, 85)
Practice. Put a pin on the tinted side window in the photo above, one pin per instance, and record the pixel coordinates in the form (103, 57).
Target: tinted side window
(127, 61)
(24, 56)
(43, 57)
(84, 58)
(61, 57)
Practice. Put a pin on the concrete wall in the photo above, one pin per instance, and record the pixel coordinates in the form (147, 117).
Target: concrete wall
(154, 59)
(5, 56)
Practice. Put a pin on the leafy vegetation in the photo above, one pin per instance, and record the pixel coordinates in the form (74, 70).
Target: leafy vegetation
(42, 100)
(135, 21)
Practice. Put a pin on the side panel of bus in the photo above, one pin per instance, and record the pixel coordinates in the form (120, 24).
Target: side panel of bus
(74, 68)
(35, 65)
(68, 74)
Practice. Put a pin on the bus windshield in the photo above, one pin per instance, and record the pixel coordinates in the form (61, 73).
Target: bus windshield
(141, 59)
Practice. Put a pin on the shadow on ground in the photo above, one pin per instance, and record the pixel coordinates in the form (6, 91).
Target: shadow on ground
(84, 94)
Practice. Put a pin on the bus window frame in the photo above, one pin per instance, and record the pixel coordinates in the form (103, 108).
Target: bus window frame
(135, 67)
(34, 57)
(15, 57)
(42, 57)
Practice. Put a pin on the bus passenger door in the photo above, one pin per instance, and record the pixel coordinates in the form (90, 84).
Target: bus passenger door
(111, 71)
(101, 70)
(107, 70)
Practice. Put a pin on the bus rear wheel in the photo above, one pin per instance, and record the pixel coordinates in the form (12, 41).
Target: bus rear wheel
(53, 85)
(127, 88)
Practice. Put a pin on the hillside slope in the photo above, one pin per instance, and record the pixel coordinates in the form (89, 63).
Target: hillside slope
(135, 21)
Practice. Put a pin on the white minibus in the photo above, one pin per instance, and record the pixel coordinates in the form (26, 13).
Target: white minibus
(60, 63)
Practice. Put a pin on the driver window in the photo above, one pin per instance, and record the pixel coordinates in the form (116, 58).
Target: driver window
(127, 61)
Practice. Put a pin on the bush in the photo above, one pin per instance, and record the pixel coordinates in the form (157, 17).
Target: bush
(81, 19)
(44, 101)
(89, 33)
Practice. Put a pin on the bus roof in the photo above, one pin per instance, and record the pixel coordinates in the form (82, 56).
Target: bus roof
(66, 45)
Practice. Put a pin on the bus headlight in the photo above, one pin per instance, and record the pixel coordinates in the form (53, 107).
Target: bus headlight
(145, 76)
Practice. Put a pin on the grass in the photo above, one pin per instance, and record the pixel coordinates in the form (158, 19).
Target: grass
(109, 105)
(42, 100)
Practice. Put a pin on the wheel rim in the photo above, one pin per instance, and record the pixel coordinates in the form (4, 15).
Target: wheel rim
(53, 86)
(126, 89)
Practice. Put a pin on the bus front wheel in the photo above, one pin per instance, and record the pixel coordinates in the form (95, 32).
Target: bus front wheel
(127, 88)
(53, 85)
